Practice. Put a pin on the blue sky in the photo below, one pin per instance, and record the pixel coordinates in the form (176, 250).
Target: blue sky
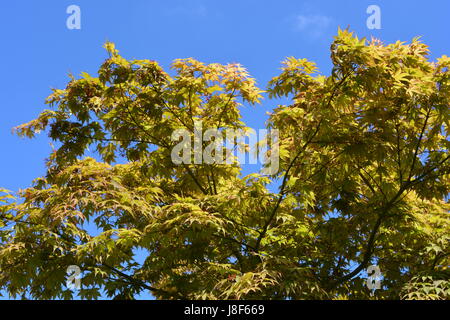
(39, 51)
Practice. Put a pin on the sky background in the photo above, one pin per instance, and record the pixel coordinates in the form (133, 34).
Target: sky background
(39, 51)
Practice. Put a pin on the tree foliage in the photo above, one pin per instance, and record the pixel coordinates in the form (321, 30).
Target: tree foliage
(363, 179)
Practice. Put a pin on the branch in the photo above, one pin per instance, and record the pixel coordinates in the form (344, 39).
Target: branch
(367, 254)
(282, 189)
(136, 282)
(418, 144)
(203, 190)
(286, 175)
(371, 243)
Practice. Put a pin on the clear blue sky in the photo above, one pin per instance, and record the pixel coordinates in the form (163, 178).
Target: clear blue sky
(38, 50)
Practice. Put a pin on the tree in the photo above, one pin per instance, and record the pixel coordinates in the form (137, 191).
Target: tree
(363, 180)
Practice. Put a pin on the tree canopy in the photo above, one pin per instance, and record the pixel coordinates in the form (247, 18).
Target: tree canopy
(363, 180)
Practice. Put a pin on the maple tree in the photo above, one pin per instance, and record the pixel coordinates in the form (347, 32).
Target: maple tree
(363, 180)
